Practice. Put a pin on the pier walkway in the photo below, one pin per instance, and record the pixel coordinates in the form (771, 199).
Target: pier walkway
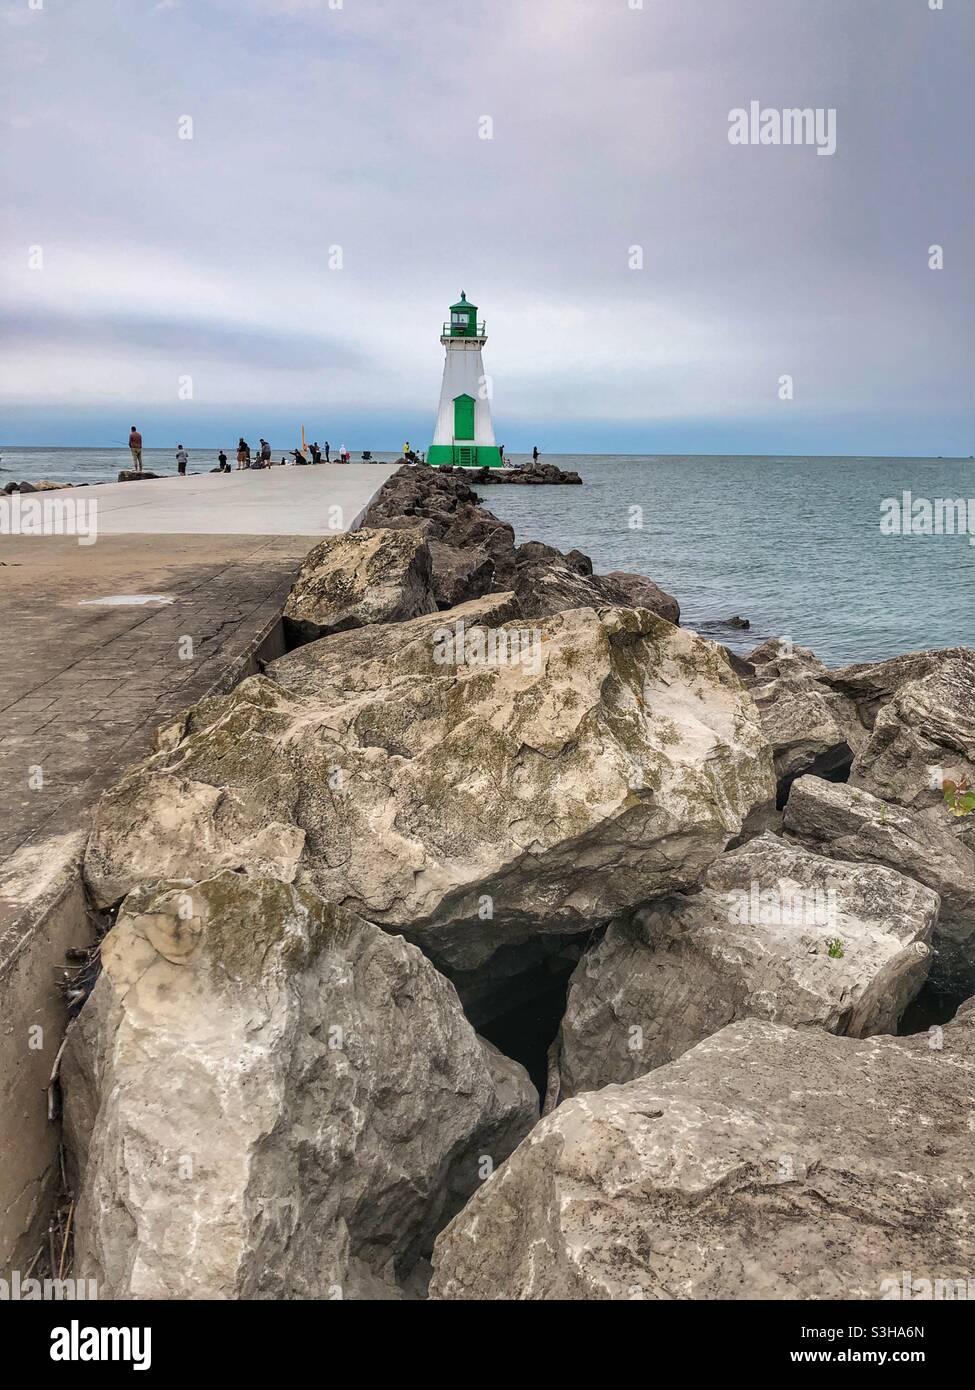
(84, 682)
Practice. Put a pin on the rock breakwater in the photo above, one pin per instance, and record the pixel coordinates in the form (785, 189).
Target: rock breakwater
(484, 769)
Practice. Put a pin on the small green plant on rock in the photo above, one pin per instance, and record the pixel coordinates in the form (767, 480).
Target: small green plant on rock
(834, 949)
(959, 797)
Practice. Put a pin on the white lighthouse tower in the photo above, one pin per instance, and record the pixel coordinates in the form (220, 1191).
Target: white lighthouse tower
(464, 435)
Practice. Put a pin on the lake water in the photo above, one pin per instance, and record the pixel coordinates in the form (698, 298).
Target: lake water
(792, 544)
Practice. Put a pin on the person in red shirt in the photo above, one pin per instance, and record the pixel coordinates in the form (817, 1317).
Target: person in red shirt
(135, 444)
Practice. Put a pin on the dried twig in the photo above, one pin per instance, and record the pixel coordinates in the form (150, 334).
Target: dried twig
(54, 1076)
(64, 1243)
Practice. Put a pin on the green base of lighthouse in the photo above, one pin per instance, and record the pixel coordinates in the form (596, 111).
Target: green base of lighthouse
(464, 455)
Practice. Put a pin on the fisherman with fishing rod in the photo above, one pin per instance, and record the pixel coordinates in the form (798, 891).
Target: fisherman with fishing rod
(135, 445)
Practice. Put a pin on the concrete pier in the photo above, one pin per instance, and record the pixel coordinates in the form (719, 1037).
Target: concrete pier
(262, 502)
(179, 597)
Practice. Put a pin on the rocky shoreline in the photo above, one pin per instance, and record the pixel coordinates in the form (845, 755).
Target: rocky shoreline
(506, 940)
(44, 485)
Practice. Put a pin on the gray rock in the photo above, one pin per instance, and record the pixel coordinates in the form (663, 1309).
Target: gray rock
(370, 576)
(849, 823)
(531, 473)
(779, 658)
(446, 508)
(533, 552)
(872, 684)
(459, 575)
(897, 728)
(576, 560)
(755, 943)
(812, 728)
(565, 771)
(743, 669)
(417, 490)
(766, 1163)
(644, 593)
(924, 734)
(720, 625)
(547, 585)
(546, 581)
(267, 1097)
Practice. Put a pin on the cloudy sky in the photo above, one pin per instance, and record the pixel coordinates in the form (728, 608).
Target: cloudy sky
(293, 260)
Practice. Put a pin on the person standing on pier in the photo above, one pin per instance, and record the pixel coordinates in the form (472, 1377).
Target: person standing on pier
(328, 450)
(182, 459)
(243, 453)
(535, 454)
(135, 444)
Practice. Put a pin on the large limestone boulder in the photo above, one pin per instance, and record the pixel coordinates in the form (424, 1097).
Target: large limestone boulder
(642, 592)
(547, 581)
(811, 727)
(778, 658)
(550, 585)
(777, 933)
(459, 575)
(766, 1162)
(156, 823)
(267, 1097)
(847, 822)
(923, 735)
(809, 732)
(473, 786)
(919, 711)
(872, 684)
(473, 528)
(371, 576)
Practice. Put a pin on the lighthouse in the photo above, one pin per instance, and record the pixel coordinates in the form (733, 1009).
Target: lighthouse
(464, 435)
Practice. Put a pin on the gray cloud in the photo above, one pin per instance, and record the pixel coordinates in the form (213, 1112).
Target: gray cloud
(315, 128)
(185, 341)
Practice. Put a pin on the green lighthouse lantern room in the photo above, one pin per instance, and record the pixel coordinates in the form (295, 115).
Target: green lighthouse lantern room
(463, 319)
(464, 434)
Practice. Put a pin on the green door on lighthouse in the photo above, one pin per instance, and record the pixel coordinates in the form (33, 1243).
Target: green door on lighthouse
(463, 417)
